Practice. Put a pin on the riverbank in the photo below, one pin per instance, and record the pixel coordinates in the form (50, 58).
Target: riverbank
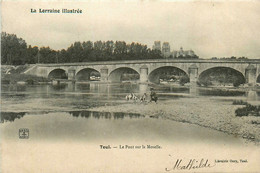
(23, 79)
(203, 111)
(15, 75)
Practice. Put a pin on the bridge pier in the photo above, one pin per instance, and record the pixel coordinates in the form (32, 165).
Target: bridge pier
(71, 74)
(193, 71)
(144, 74)
(251, 75)
(104, 74)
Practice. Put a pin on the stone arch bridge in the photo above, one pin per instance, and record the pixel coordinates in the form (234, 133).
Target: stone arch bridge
(110, 71)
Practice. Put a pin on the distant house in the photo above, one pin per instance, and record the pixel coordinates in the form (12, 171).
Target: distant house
(183, 53)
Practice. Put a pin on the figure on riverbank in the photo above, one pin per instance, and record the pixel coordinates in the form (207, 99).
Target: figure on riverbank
(153, 96)
(131, 97)
(143, 98)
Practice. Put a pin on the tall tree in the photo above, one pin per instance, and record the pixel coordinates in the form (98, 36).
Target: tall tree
(13, 49)
(87, 49)
(32, 53)
(47, 55)
(75, 51)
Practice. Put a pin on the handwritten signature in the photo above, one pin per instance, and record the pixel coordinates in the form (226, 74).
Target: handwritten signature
(190, 164)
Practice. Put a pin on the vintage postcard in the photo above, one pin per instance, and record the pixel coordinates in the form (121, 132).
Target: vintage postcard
(127, 86)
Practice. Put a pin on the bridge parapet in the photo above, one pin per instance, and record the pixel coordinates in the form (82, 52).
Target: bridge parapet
(249, 61)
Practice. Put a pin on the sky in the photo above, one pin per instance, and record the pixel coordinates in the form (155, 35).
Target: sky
(209, 28)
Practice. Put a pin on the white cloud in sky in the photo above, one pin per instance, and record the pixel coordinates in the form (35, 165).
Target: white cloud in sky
(210, 28)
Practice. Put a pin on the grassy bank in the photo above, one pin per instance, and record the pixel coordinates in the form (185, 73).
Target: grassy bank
(14, 74)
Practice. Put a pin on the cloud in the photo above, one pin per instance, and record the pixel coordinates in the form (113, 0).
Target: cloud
(210, 28)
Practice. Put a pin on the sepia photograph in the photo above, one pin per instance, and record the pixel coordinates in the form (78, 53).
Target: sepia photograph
(130, 86)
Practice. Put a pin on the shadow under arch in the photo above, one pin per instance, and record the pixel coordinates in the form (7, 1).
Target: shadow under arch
(258, 79)
(58, 74)
(88, 74)
(123, 74)
(167, 73)
(221, 75)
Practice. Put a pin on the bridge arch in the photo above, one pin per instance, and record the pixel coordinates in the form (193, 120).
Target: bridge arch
(235, 66)
(123, 73)
(87, 74)
(221, 75)
(167, 73)
(58, 73)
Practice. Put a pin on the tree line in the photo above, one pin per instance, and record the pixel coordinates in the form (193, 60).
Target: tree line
(14, 51)
(230, 58)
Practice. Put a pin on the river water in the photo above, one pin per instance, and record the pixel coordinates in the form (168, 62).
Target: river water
(57, 114)
(45, 104)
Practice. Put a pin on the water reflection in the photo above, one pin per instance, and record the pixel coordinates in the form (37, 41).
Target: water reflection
(252, 95)
(14, 87)
(82, 87)
(193, 90)
(58, 87)
(220, 92)
(71, 86)
(105, 115)
(11, 116)
(172, 89)
(103, 89)
(143, 88)
(85, 114)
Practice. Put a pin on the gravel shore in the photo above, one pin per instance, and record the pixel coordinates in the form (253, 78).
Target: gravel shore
(204, 111)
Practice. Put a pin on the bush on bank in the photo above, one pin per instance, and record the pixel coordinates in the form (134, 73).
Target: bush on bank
(249, 110)
(184, 80)
(239, 102)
